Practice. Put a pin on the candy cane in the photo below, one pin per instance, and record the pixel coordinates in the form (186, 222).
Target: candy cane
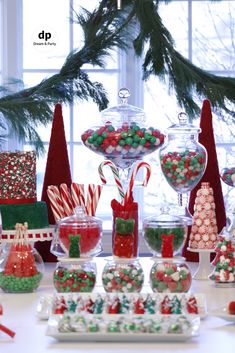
(96, 197)
(55, 202)
(115, 174)
(133, 176)
(90, 196)
(66, 199)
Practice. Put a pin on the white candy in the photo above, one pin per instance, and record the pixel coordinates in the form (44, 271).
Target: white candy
(161, 268)
(223, 248)
(175, 276)
(109, 275)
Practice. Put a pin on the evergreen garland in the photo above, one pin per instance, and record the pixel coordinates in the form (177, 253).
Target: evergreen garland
(108, 28)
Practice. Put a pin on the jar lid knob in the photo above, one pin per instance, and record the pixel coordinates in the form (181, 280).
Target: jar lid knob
(183, 118)
(80, 211)
(124, 94)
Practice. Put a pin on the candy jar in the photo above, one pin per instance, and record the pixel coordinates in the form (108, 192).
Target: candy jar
(183, 160)
(74, 273)
(22, 268)
(123, 136)
(164, 234)
(170, 275)
(123, 275)
(88, 227)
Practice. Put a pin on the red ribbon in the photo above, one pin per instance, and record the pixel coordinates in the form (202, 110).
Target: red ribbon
(18, 201)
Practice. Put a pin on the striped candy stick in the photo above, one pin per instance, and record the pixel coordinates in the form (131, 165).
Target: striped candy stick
(55, 202)
(96, 197)
(115, 174)
(66, 199)
(90, 196)
(133, 176)
(75, 194)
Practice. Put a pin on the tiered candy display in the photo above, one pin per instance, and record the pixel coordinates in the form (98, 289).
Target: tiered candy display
(204, 228)
(224, 262)
(74, 274)
(170, 276)
(123, 275)
(228, 176)
(22, 269)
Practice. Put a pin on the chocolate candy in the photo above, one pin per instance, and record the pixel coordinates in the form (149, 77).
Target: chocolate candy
(170, 277)
(123, 277)
(183, 170)
(129, 141)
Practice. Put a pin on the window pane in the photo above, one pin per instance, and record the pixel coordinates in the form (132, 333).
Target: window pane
(41, 19)
(213, 35)
(175, 18)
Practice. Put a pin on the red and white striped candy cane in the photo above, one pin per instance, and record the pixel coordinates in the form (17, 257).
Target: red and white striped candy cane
(75, 194)
(115, 174)
(133, 176)
(96, 197)
(90, 196)
(66, 199)
(55, 202)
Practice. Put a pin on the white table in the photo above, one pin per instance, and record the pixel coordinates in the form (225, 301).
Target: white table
(216, 335)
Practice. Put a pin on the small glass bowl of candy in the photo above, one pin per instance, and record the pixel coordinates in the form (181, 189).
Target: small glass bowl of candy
(122, 275)
(75, 275)
(228, 176)
(123, 136)
(157, 227)
(170, 276)
(89, 228)
(21, 271)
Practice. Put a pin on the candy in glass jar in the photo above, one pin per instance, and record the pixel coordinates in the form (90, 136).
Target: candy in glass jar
(89, 228)
(170, 275)
(123, 275)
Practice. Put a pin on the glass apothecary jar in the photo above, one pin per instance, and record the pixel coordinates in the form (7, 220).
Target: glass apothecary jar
(170, 276)
(123, 135)
(123, 275)
(183, 159)
(21, 268)
(158, 229)
(89, 228)
(75, 275)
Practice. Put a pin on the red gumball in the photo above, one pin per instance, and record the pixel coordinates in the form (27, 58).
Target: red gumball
(231, 308)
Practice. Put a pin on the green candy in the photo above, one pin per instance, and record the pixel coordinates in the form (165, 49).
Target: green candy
(94, 136)
(121, 142)
(142, 141)
(136, 138)
(129, 141)
(110, 128)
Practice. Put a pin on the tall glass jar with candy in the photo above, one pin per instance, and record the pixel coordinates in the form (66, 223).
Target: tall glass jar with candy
(183, 160)
(123, 137)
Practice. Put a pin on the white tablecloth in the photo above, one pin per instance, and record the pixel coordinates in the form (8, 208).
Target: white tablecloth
(216, 335)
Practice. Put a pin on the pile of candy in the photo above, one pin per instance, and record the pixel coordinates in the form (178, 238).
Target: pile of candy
(74, 279)
(123, 277)
(169, 276)
(228, 176)
(133, 324)
(127, 304)
(183, 170)
(153, 238)
(128, 141)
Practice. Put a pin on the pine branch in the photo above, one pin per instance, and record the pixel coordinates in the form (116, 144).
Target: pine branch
(162, 60)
